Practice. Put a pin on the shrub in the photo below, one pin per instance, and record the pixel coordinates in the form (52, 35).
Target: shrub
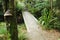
(22, 32)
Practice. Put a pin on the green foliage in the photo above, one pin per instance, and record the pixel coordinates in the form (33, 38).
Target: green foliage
(20, 5)
(22, 36)
(49, 19)
(56, 24)
(22, 32)
(3, 31)
(46, 17)
(2, 28)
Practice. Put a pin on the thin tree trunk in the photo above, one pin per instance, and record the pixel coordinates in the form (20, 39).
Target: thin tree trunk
(58, 6)
(5, 5)
(51, 4)
(58, 3)
(13, 22)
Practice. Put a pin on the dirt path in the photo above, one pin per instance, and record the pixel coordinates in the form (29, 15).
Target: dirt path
(46, 35)
(34, 29)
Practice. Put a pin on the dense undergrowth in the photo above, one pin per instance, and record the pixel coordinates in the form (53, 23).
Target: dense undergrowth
(4, 35)
(49, 20)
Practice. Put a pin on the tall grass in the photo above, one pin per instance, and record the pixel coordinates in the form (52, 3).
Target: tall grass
(49, 19)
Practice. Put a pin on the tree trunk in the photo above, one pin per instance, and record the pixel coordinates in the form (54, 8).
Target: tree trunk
(13, 22)
(51, 3)
(5, 8)
(58, 7)
(5, 5)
